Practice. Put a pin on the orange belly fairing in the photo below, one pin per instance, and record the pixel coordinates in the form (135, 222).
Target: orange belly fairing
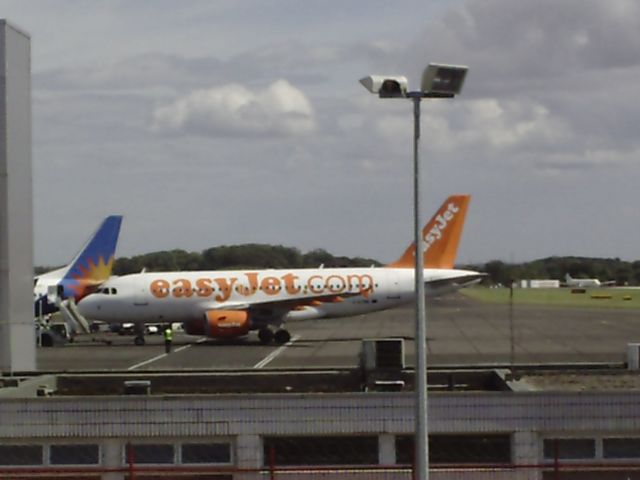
(221, 324)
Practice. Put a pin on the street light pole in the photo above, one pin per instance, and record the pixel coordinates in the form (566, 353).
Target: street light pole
(438, 81)
(421, 439)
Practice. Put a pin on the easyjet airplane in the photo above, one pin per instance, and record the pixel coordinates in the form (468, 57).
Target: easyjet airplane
(225, 304)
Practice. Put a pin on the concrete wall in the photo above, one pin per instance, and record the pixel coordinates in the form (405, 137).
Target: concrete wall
(17, 336)
(245, 419)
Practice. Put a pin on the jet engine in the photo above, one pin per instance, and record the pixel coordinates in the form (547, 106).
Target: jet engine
(221, 324)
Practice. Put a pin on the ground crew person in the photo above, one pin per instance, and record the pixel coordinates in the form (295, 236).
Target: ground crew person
(168, 338)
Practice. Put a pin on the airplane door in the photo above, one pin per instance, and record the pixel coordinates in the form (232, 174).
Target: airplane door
(394, 289)
(141, 297)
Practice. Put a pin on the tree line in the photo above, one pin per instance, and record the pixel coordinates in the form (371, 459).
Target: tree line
(236, 257)
(260, 256)
(604, 269)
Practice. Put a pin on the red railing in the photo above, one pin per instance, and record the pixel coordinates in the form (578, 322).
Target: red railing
(552, 471)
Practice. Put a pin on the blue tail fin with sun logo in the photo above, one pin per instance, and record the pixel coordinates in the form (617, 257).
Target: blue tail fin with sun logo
(93, 265)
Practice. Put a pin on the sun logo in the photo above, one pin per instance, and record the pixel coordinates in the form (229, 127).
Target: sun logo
(85, 278)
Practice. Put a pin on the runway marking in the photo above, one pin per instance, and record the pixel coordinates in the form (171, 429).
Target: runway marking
(275, 353)
(162, 355)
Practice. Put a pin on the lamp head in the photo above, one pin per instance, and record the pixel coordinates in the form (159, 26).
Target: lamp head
(386, 86)
(445, 80)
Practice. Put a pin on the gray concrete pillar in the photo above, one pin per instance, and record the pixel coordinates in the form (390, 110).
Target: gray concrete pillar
(17, 331)
(248, 456)
(386, 449)
(112, 457)
(526, 452)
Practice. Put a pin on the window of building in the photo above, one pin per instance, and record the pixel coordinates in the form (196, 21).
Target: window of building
(16, 455)
(621, 447)
(445, 449)
(206, 453)
(80, 454)
(155, 453)
(569, 448)
(333, 450)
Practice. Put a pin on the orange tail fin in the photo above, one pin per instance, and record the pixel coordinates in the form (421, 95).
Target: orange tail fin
(440, 237)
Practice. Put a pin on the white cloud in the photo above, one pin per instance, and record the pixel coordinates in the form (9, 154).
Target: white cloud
(495, 128)
(507, 125)
(550, 106)
(278, 110)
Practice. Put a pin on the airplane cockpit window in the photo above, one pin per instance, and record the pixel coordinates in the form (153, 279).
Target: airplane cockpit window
(114, 291)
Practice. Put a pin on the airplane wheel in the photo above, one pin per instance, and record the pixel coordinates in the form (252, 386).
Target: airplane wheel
(265, 335)
(282, 336)
(139, 340)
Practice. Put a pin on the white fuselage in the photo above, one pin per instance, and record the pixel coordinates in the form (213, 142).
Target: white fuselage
(584, 282)
(42, 282)
(41, 285)
(280, 295)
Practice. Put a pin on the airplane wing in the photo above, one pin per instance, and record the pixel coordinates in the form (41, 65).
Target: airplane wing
(285, 304)
(442, 285)
(231, 320)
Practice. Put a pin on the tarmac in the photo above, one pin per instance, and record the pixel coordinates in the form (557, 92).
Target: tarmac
(461, 332)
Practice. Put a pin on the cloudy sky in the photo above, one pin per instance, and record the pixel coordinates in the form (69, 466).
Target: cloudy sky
(210, 122)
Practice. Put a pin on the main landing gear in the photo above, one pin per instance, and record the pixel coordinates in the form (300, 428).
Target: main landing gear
(281, 336)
